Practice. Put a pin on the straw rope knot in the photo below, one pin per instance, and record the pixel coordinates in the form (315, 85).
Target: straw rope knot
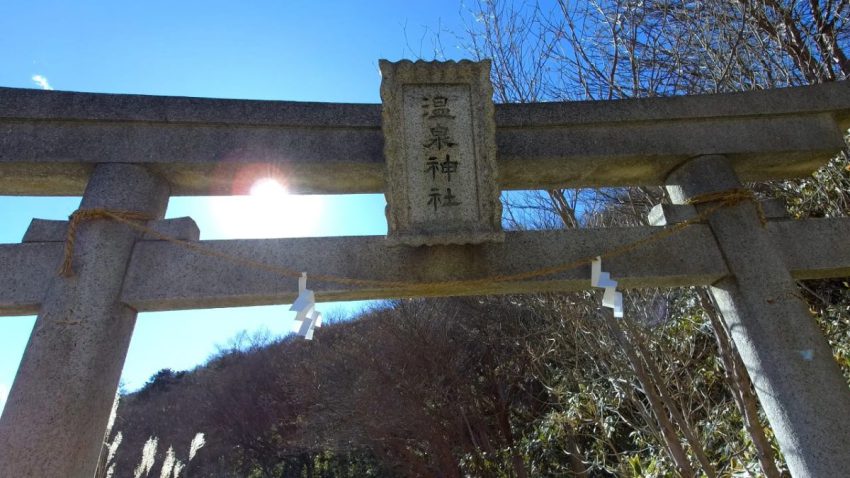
(82, 215)
(731, 197)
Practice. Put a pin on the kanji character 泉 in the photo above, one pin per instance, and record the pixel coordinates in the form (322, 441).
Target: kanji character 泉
(439, 137)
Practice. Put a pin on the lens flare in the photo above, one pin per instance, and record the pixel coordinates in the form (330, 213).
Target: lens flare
(268, 211)
(268, 188)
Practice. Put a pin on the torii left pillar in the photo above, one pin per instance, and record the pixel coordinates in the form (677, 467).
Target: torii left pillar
(57, 411)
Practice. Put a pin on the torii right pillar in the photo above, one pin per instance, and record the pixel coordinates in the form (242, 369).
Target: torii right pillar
(799, 384)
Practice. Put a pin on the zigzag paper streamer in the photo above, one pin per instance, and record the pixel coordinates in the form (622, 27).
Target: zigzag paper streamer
(305, 310)
(602, 280)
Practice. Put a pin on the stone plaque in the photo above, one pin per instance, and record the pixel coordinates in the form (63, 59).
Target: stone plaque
(440, 150)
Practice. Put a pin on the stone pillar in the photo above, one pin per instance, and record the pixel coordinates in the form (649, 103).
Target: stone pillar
(59, 405)
(789, 360)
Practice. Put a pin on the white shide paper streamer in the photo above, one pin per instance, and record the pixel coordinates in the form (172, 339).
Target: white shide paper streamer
(305, 310)
(602, 280)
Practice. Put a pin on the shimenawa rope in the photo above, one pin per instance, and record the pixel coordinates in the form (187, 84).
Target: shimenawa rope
(82, 215)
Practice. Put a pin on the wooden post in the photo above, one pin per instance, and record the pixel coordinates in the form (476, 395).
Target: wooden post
(789, 360)
(59, 405)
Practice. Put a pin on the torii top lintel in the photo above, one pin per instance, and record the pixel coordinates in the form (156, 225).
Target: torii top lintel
(50, 140)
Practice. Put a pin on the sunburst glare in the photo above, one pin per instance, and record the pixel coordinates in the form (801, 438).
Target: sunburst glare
(268, 211)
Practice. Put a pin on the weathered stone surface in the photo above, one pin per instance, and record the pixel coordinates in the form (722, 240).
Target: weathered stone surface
(798, 383)
(774, 209)
(440, 153)
(183, 277)
(45, 230)
(50, 140)
(669, 214)
(812, 249)
(182, 228)
(25, 275)
(56, 414)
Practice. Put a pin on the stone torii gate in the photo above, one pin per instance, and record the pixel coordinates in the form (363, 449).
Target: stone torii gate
(130, 153)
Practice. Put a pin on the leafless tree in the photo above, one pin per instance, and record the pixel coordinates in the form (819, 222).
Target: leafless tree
(611, 49)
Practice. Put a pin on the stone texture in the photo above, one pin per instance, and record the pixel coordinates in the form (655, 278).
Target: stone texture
(774, 209)
(45, 230)
(812, 249)
(669, 214)
(49, 140)
(799, 385)
(25, 104)
(182, 228)
(184, 276)
(26, 275)
(441, 154)
(59, 404)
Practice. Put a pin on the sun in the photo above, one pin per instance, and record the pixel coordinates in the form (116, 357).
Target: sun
(268, 188)
(268, 211)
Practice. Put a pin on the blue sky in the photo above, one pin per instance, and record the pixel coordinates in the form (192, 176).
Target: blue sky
(275, 50)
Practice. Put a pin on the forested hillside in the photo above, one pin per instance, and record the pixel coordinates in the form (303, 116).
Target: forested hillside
(512, 386)
(541, 385)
